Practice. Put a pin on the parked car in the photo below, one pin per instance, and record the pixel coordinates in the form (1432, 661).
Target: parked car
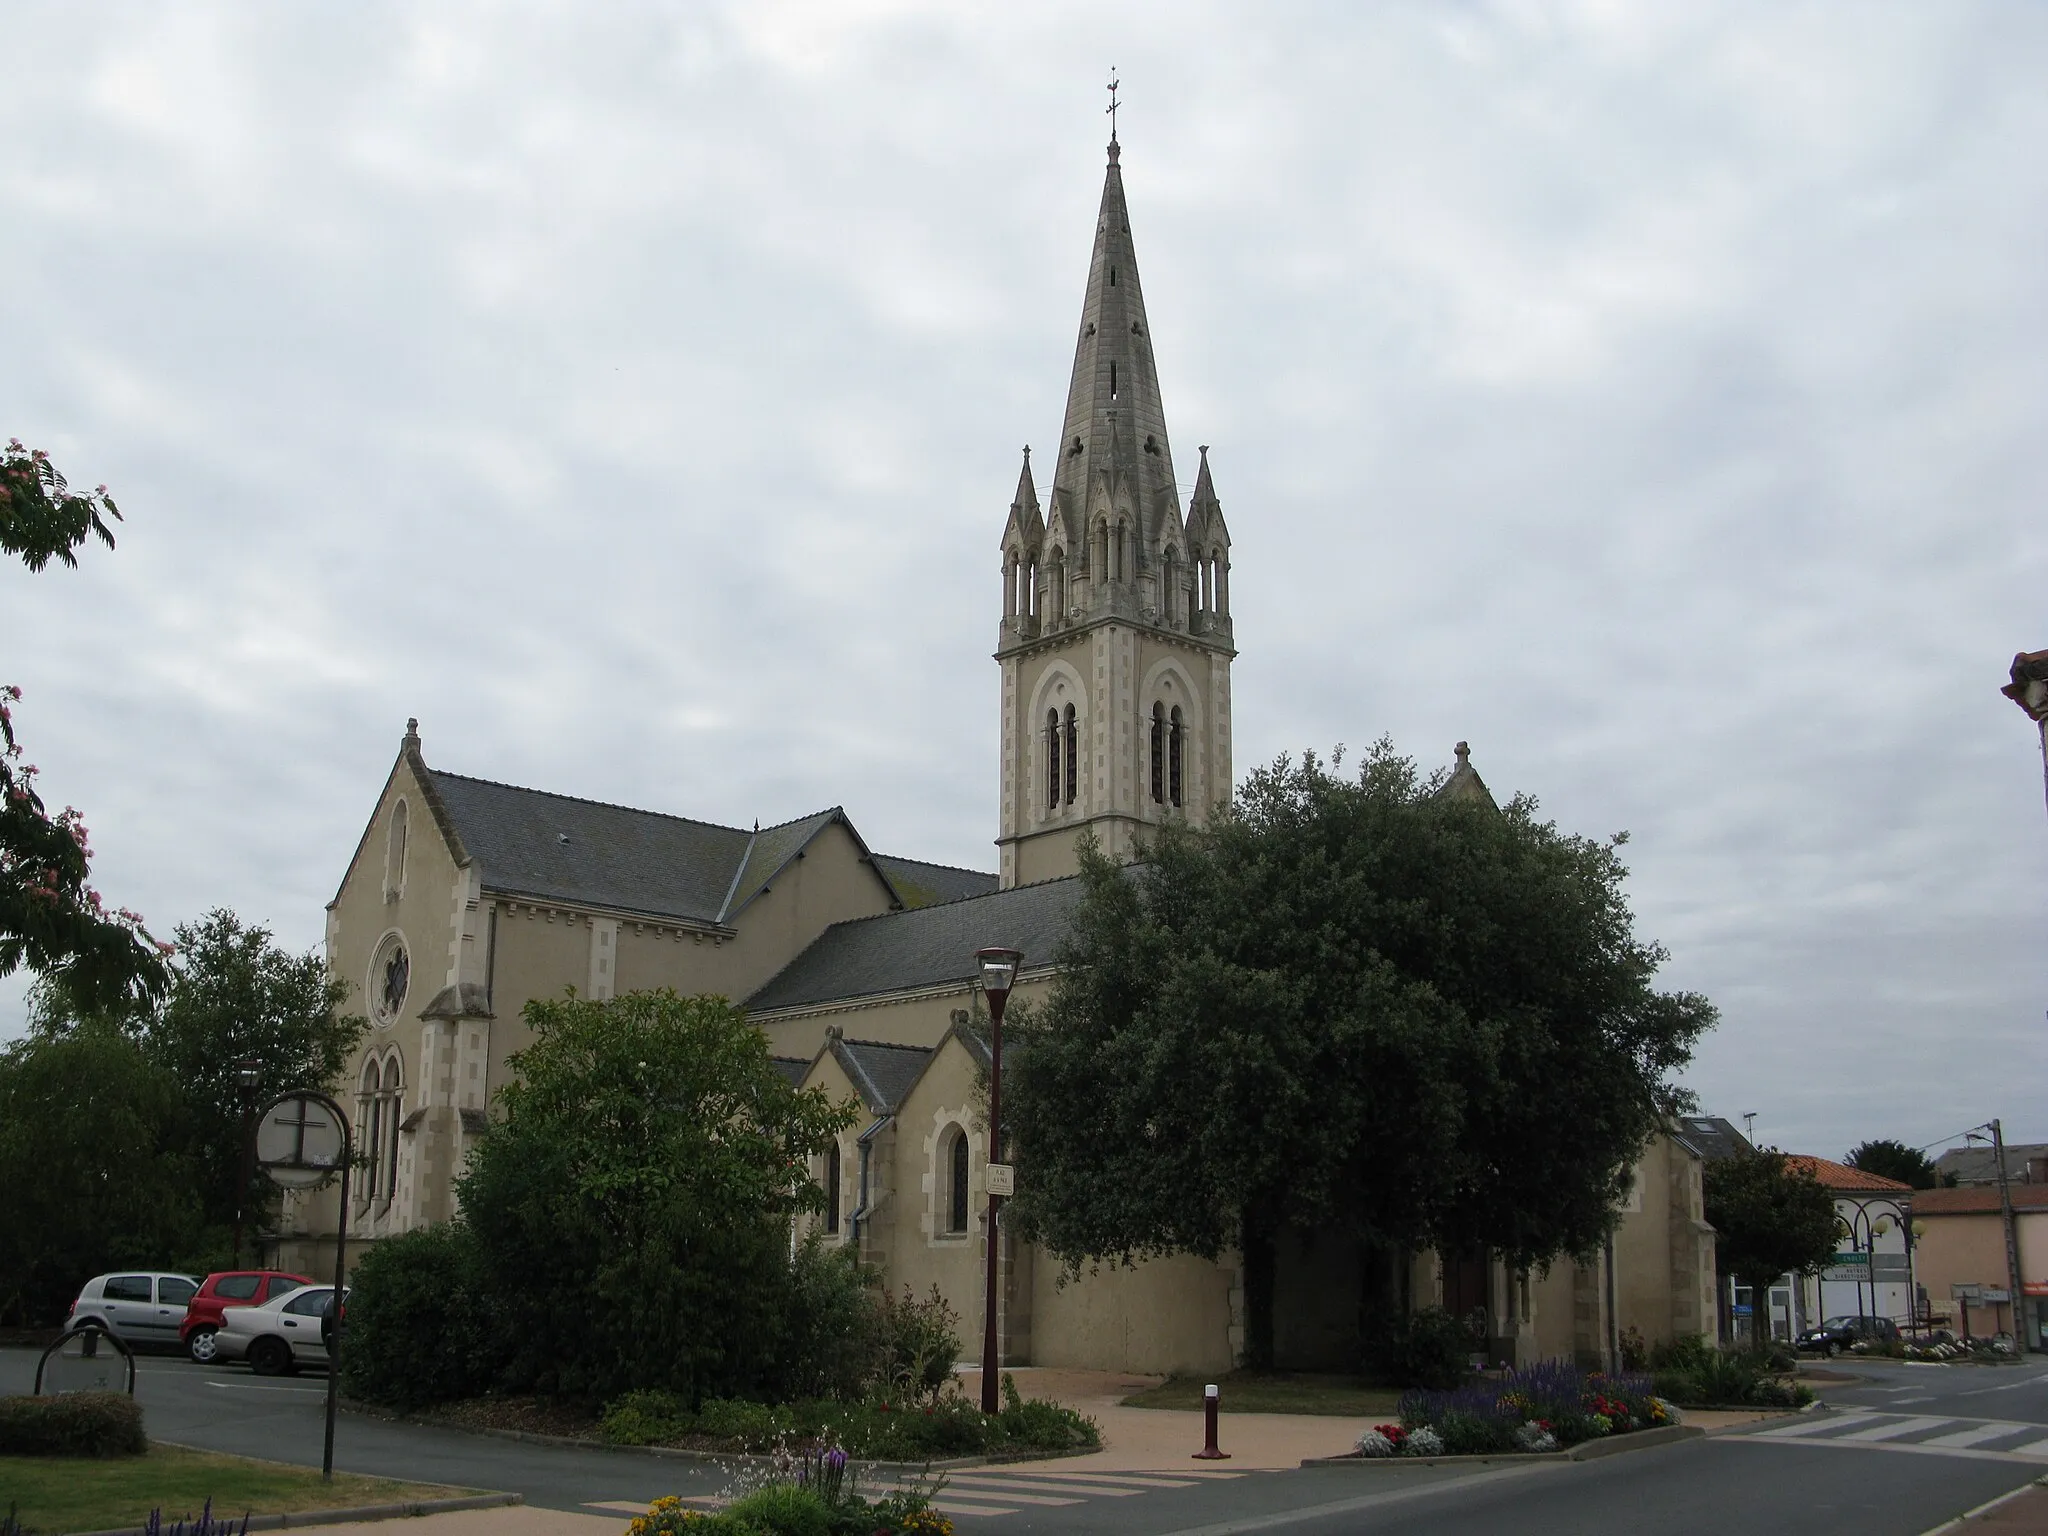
(279, 1336)
(230, 1288)
(143, 1307)
(1835, 1334)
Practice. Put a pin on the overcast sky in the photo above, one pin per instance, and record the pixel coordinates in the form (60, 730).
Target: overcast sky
(1653, 395)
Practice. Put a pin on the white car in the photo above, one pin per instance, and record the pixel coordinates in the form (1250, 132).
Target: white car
(143, 1307)
(279, 1336)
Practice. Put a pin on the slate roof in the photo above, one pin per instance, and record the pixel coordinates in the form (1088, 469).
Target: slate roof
(1712, 1137)
(881, 1073)
(924, 947)
(1843, 1179)
(1976, 1165)
(793, 1068)
(924, 885)
(557, 847)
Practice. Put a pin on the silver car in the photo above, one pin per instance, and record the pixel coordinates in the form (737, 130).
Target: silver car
(142, 1306)
(279, 1336)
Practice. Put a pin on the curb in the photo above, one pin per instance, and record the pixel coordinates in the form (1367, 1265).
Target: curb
(718, 1458)
(360, 1512)
(1969, 1515)
(1585, 1450)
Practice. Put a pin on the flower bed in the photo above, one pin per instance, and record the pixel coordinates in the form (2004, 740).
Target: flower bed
(878, 1430)
(812, 1492)
(1542, 1408)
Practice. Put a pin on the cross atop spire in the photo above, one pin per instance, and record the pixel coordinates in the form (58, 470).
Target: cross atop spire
(1111, 110)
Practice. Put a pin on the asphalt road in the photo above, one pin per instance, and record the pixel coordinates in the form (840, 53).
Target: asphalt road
(1871, 1467)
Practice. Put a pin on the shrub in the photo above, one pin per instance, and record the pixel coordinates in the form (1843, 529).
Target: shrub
(1732, 1378)
(919, 1343)
(647, 1417)
(783, 1509)
(73, 1424)
(419, 1330)
(1681, 1353)
(834, 1340)
(1428, 1349)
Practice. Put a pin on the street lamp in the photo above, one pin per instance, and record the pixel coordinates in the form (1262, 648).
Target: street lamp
(998, 968)
(1863, 1231)
(248, 1078)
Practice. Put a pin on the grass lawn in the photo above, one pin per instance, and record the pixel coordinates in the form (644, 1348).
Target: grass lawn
(1274, 1392)
(64, 1493)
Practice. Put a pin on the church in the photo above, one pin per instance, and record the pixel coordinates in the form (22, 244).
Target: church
(467, 898)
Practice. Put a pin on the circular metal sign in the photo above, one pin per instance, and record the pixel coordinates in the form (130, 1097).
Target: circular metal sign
(300, 1142)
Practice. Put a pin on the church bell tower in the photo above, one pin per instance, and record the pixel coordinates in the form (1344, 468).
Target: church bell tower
(1116, 642)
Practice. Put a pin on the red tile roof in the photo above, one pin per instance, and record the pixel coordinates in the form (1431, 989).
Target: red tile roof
(1840, 1176)
(1976, 1200)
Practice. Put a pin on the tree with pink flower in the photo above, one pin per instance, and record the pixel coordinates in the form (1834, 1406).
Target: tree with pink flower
(51, 918)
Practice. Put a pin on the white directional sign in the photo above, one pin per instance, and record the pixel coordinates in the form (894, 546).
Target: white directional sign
(300, 1142)
(1000, 1179)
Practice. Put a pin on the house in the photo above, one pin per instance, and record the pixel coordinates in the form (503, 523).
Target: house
(1959, 1258)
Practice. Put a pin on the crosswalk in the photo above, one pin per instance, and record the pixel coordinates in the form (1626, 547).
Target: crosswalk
(991, 1492)
(1919, 1434)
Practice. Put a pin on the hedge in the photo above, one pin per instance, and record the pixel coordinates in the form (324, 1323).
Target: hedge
(72, 1424)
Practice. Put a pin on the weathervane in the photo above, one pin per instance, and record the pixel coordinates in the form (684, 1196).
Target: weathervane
(1111, 108)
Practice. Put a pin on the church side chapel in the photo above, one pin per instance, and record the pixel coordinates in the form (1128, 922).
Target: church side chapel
(467, 898)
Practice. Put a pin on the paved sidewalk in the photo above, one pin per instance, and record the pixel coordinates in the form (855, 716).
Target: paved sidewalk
(1163, 1439)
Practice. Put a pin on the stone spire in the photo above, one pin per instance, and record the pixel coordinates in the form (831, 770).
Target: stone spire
(1113, 455)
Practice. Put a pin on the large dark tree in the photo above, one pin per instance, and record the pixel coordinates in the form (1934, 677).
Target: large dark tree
(51, 918)
(1348, 1004)
(1894, 1160)
(1770, 1219)
(91, 1175)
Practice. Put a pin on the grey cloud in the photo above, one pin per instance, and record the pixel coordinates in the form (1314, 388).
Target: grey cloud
(1652, 398)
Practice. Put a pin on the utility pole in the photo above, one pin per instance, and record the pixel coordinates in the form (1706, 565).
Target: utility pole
(2012, 1245)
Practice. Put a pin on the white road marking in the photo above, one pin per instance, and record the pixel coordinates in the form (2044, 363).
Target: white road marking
(1974, 1435)
(1894, 1430)
(2036, 1450)
(992, 1488)
(955, 1507)
(1811, 1427)
(247, 1386)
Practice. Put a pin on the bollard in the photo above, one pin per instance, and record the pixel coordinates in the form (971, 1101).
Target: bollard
(1209, 1405)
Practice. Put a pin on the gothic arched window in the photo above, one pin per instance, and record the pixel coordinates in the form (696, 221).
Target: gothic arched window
(832, 1188)
(394, 852)
(1173, 756)
(1123, 534)
(370, 1113)
(1052, 759)
(1158, 753)
(956, 1182)
(1073, 754)
(394, 1106)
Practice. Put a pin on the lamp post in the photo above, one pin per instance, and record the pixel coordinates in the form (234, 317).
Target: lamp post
(998, 969)
(1864, 1231)
(248, 1078)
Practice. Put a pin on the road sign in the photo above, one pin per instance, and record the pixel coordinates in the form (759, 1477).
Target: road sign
(1000, 1179)
(300, 1142)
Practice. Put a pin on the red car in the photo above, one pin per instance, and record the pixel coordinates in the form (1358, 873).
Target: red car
(229, 1288)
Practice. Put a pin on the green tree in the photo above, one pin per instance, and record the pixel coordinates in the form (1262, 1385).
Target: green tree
(1770, 1219)
(631, 1209)
(234, 995)
(91, 1173)
(51, 918)
(1351, 1005)
(1894, 1160)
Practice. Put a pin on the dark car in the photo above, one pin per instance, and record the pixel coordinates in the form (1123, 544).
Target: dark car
(230, 1288)
(1835, 1334)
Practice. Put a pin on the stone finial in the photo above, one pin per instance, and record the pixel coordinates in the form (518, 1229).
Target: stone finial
(1464, 755)
(412, 736)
